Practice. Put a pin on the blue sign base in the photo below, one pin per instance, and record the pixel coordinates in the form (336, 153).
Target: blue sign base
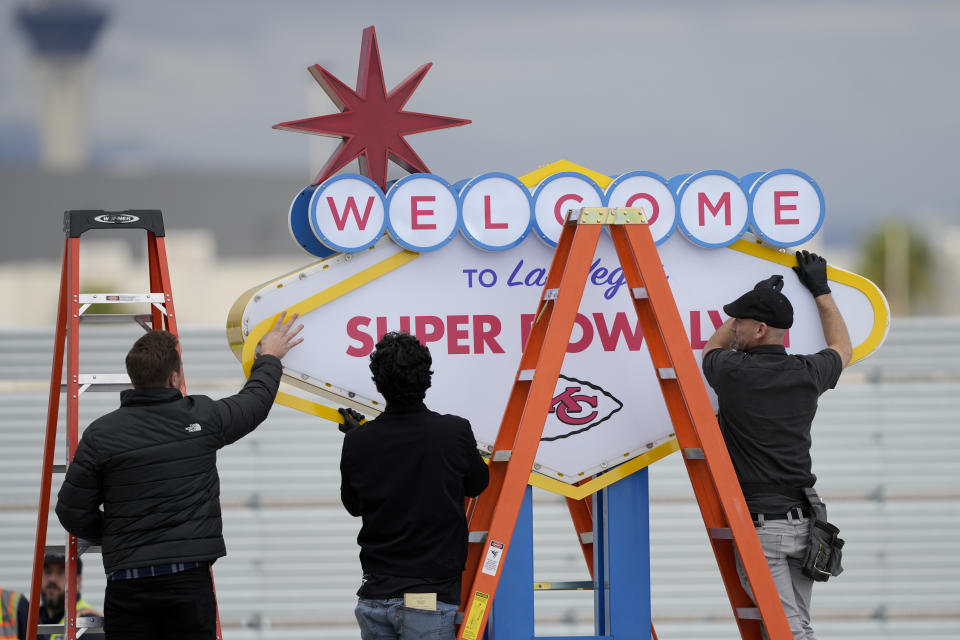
(621, 560)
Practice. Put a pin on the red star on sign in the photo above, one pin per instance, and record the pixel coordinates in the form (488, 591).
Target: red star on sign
(371, 122)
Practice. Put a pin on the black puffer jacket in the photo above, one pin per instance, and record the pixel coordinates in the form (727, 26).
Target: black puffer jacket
(152, 464)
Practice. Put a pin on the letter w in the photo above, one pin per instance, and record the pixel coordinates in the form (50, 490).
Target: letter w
(341, 219)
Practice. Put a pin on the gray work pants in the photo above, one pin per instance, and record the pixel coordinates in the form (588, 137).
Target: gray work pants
(784, 544)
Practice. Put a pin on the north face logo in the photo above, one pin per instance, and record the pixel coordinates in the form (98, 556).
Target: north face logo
(577, 406)
(193, 427)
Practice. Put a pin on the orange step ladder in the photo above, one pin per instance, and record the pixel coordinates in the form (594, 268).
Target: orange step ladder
(725, 515)
(71, 313)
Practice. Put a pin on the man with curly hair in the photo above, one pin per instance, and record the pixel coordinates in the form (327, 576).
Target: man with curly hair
(406, 474)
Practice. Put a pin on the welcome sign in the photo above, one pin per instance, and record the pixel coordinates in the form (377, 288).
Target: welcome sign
(496, 211)
(462, 267)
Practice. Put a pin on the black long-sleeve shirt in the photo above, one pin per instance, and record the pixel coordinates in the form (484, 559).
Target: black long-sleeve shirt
(152, 465)
(406, 473)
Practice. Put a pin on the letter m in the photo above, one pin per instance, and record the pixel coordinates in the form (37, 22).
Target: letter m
(340, 219)
(704, 204)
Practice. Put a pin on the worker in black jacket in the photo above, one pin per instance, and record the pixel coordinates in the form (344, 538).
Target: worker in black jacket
(406, 473)
(151, 466)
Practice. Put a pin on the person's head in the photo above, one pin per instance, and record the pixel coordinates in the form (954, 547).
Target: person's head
(154, 361)
(55, 580)
(761, 315)
(401, 368)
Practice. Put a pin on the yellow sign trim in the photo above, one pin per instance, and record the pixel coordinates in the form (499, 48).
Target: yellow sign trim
(619, 472)
(881, 311)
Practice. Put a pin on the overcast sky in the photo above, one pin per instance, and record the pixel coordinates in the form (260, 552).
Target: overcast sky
(863, 96)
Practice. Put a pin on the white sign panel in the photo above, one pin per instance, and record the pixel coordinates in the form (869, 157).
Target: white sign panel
(474, 309)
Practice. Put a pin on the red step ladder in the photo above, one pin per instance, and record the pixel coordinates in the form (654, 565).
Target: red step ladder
(729, 525)
(71, 313)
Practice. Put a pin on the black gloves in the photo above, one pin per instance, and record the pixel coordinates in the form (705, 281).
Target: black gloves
(351, 419)
(812, 271)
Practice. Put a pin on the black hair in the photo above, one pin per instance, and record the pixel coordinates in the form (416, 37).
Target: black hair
(401, 368)
(152, 359)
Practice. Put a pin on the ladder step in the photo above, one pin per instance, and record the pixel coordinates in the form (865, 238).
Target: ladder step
(639, 293)
(101, 382)
(570, 585)
(551, 294)
(721, 533)
(477, 536)
(525, 374)
(59, 468)
(82, 547)
(586, 537)
(89, 623)
(108, 318)
(693, 453)
(120, 298)
(748, 613)
(501, 456)
(667, 373)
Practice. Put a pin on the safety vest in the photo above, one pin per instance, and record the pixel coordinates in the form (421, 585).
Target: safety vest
(83, 608)
(8, 614)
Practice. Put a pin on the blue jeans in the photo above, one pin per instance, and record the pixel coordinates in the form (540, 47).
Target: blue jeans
(784, 544)
(390, 620)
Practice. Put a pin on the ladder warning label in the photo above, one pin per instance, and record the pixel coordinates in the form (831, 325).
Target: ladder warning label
(471, 626)
(492, 561)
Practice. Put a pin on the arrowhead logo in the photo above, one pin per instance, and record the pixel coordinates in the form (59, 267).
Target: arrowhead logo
(578, 406)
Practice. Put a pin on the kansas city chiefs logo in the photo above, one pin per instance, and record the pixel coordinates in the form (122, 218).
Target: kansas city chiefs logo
(577, 406)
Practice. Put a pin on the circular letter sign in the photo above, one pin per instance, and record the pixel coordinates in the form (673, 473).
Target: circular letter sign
(557, 194)
(713, 208)
(347, 213)
(496, 211)
(649, 192)
(787, 207)
(422, 212)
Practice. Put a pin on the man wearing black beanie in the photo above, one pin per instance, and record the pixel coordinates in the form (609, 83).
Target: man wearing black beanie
(768, 399)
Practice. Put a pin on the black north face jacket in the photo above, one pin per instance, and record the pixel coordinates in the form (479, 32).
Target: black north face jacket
(152, 465)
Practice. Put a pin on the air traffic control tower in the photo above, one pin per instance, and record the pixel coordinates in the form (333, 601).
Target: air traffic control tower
(62, 35)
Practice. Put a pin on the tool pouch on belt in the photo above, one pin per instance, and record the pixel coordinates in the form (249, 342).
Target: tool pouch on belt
(824, 551)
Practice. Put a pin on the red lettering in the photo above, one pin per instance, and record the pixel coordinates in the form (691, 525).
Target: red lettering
(457, 332)
(704, 202)
(779, 206)
(583, 322)
(654, 205)
(526, 323)
(488, 223)
(696, 337)
(381, 327)
(416, 212)
(786, 338)
(351, 207)
(435, 325)
(354, 326)
(485, 332)
(558, 208)
(405, 324)
(621, 327)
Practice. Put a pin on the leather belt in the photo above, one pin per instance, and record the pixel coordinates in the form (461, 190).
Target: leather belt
(796, 513)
